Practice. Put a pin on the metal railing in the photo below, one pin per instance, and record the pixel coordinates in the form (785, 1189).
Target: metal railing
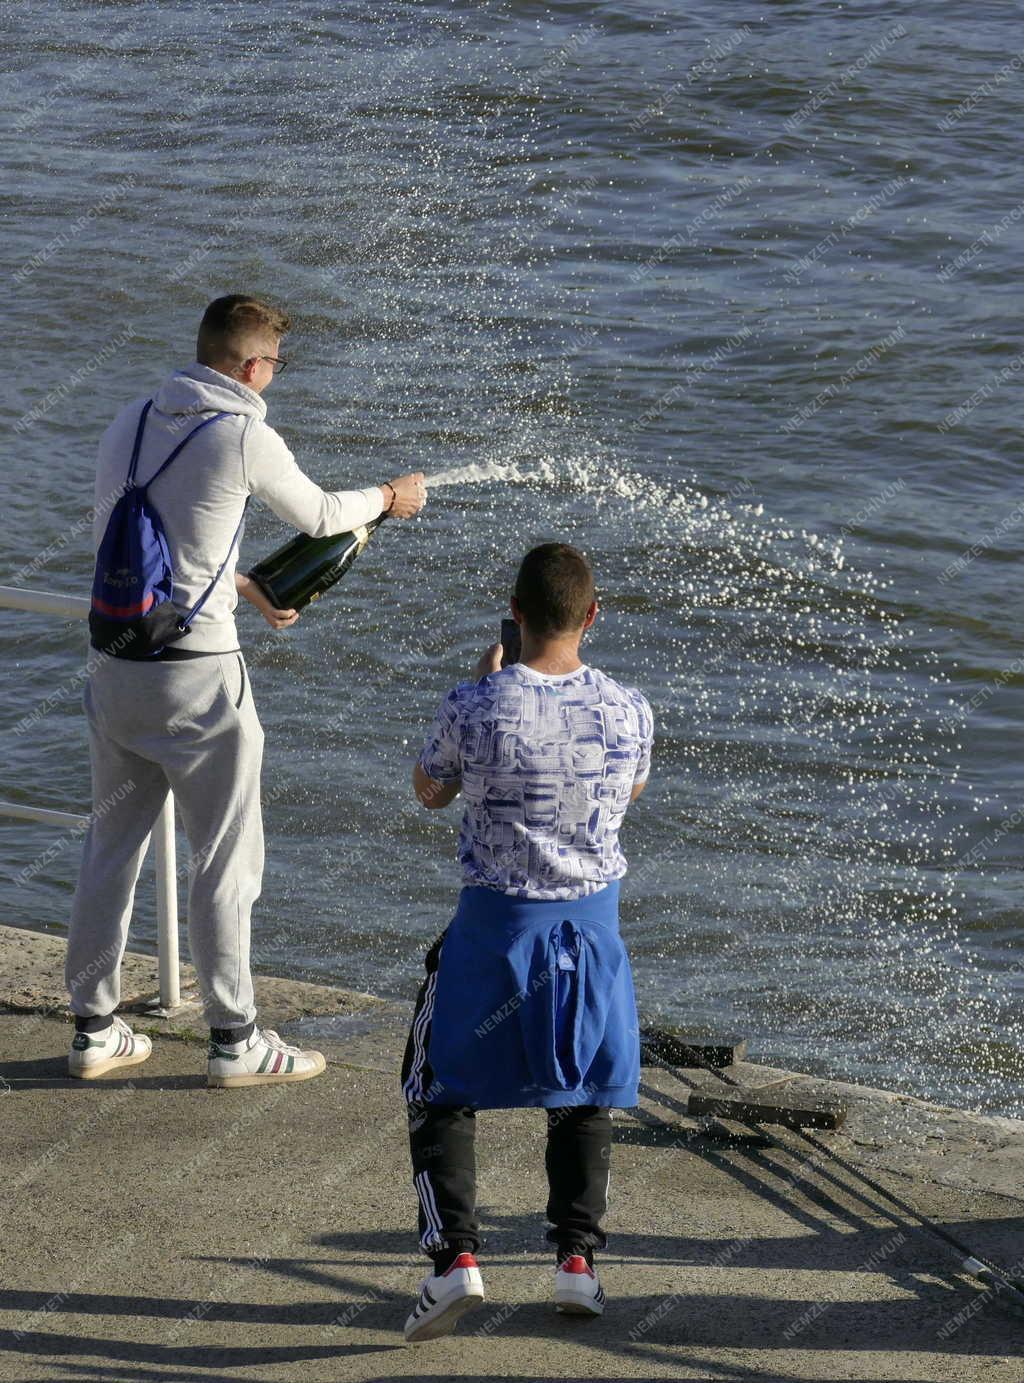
(162, 836)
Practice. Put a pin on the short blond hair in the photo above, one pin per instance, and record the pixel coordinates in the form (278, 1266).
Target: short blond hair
(231, 325)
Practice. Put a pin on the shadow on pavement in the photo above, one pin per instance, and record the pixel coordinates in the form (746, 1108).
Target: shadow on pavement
(48, 1073)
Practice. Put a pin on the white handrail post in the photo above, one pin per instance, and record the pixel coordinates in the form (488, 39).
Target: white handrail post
(167, 906)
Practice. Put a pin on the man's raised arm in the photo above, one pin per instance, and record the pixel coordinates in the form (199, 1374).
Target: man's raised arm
(440, 755)
(432, 793)
(274, 476)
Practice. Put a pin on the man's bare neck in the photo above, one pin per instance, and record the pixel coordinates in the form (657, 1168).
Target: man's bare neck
(551, 656)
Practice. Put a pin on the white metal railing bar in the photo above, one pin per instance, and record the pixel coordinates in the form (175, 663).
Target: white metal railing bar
(52, 818)
(162, 837)
(44, 602)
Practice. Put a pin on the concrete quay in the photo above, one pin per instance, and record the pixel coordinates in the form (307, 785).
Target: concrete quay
(153, 1229)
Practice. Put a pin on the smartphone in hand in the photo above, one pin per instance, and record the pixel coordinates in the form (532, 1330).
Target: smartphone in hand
(511, 642)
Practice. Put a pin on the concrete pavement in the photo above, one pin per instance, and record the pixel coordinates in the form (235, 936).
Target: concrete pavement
(156, 1230)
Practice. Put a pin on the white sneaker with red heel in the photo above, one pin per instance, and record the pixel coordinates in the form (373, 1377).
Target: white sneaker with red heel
(443, 1300)
(262, 1059)
(578, 1290)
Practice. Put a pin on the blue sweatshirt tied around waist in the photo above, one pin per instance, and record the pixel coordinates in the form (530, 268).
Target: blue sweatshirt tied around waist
(534, 1005)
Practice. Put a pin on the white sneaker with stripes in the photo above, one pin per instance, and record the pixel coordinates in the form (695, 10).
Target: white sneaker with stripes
(94, 1053)
(444, 1299)
(262, 1059)
(578, 1290)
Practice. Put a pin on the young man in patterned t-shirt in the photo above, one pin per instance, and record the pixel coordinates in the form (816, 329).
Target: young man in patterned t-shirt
(528, 998)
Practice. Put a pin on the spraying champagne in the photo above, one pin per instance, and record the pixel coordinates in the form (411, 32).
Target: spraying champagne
(302, 569)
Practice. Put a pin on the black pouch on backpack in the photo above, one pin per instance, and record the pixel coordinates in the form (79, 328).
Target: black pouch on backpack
(137, 638)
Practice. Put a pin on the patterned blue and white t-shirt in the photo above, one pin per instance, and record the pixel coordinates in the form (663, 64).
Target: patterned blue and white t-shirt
(547, 766)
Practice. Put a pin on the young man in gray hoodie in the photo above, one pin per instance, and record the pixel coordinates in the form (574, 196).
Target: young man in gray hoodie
(185, 719)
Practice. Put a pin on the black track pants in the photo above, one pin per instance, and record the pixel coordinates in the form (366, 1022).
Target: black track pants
(442, 1144)
(441, 1141)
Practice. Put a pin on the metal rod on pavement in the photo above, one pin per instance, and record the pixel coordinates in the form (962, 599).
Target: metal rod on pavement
(167, 906)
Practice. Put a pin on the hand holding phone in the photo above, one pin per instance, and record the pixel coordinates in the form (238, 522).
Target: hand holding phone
(511, 642)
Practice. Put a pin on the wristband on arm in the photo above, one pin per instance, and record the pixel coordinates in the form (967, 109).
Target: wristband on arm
(394, 496)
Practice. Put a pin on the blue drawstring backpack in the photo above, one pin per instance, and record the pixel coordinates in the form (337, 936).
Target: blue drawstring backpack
(132, 615)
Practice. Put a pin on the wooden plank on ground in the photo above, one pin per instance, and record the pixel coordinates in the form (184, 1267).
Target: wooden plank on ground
(752, 1107)
(681, 1047)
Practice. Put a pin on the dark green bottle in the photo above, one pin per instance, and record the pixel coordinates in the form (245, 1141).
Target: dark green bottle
(300, 571)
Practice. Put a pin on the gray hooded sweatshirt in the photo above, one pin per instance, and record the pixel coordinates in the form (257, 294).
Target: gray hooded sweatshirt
(201, 496)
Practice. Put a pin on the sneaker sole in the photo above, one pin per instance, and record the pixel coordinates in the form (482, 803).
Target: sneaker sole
(446, 1322)
(100, 1068)
(268, 1078)
(579, 1306)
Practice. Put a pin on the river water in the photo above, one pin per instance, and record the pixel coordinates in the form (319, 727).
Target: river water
(724, 294)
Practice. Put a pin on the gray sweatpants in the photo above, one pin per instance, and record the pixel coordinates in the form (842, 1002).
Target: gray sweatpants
(191, 725)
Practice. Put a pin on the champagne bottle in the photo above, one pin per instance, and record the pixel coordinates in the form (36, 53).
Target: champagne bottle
(303, 568)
